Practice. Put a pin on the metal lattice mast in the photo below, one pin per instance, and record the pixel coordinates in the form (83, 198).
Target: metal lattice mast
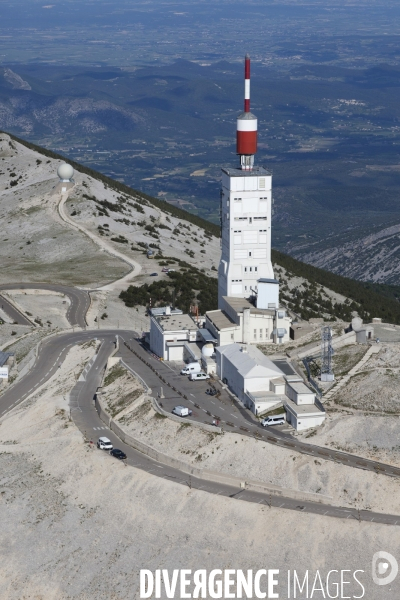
(327, 352)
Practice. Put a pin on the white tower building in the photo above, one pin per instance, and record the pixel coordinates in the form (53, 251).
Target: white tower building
(246, 232)
(248, 295)
(246, 199)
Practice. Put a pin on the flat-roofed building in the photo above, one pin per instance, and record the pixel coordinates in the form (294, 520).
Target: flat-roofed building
(304, 416)
(303, 409)
(169, 333)
(238, 320)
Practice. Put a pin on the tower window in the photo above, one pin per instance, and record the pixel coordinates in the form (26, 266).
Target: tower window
(255, 334)
(249, 253)
(255, 268)
(261, 332)
(245, 269)
(251, 268)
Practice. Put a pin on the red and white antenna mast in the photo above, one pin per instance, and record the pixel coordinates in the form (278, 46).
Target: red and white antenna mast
(246, 130)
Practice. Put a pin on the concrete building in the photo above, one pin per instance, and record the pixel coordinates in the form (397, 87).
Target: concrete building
(299, 393)
(303, 410)
(304, 416)
(245, 270)
(246, 232)
(169, 333)
(298, 330)
(238, 320)
(7, 361)
(364, 332)
(251, 376)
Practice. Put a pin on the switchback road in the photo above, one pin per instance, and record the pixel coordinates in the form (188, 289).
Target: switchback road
(52, 353)
(80, 301)
(86, 418)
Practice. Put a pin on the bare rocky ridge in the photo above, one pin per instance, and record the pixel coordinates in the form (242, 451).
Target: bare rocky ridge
(39, 246)
(346, 486)
(370, 258)
(77, 524)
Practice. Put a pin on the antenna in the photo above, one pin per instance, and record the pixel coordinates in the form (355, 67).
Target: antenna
(246, 127)
(327, 353)
(247, 83)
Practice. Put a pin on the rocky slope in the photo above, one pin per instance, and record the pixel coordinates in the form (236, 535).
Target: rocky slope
(374, 257)
(75, 524)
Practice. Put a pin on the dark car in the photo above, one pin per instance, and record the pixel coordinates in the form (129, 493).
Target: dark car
(118, 454)
(153, 274)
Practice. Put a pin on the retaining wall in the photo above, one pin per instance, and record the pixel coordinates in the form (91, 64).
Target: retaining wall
(204, 474)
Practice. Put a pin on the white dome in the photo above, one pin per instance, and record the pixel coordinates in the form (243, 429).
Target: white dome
(65, 171)
(207, 350)
(356, 324)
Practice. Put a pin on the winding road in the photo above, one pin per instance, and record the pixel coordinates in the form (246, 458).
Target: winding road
(53, 350)
(76, 314)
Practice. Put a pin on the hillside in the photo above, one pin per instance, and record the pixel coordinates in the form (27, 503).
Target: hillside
(372, 255)
(40, 246)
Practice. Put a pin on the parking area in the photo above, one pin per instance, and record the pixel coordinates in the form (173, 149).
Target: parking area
(172, 389)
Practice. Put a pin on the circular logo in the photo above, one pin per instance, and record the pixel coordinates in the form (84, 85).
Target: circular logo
(384, 568)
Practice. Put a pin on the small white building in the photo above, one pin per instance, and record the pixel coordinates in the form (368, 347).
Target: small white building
(299, 392)
(250, 375)
(303, 416)
(169, 333)
(238, 320)
(303, 410)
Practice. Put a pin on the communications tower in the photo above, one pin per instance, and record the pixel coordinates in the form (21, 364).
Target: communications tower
(245, 269)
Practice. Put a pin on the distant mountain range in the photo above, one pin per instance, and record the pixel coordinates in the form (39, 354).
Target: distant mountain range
(310, 296)
(330, 135)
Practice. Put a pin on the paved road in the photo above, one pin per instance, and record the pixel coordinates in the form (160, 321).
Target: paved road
(86, 418)
(80, 301)
(54, 350)
(13, 313)
(232, 416)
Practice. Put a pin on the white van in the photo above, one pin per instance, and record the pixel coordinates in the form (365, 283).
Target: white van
(181, 411)
(104, 444)
(198, 376)
(274, 420)
(193, 367)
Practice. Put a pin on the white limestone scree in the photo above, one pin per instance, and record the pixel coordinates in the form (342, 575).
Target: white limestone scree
(246, 200)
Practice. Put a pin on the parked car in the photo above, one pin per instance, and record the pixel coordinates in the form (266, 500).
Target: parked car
(274, 420)
(199, 376)
(211, 392)
(164, 270)
(153, 274)
(181, 411)
(104, 444)
(118, 454)
(193, 367)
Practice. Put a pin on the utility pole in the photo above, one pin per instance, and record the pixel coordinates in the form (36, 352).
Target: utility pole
(327, 353)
